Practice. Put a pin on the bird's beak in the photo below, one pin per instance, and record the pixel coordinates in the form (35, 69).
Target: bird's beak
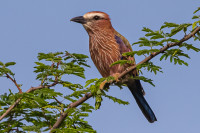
(79, 19)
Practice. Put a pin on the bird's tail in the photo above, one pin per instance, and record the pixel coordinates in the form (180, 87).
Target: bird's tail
(136, 89)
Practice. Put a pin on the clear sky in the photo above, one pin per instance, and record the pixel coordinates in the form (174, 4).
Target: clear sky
(28, 27)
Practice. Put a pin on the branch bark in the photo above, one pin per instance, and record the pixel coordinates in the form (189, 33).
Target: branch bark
(14, 81)
(72, 105)
(87, 96)
(28, 91)
(169, 45)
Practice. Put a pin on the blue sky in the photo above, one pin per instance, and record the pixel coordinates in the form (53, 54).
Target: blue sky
(28, 27)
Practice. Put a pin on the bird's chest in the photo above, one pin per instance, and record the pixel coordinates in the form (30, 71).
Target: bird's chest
(103, 55)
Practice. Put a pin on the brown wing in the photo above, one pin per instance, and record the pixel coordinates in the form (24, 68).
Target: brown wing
(124, 46)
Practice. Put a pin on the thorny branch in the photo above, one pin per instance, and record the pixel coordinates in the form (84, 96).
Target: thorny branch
(87, 96)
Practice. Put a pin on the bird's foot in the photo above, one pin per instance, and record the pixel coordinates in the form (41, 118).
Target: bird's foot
(102, 85)
(116, 77)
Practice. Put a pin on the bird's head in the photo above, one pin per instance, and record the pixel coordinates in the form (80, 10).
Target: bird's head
(94, 21)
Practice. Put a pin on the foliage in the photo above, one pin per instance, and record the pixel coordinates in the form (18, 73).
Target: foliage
(155, 40)
(99, 94)
(39, 109)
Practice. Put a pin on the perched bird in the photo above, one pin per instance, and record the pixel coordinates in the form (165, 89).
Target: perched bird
(106, 46)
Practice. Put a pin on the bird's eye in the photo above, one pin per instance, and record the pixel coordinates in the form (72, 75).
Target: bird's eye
(96, 17)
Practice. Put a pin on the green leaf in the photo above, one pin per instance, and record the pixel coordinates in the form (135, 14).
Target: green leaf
(178, 29)
(98, 101)
(150, 81)
(194, 25)
(157, 36)
(88, 82)
(161, 58)
(1, 63)
(146, 29)
(150, 67)
(197, 10)
(80, 56)
(10, 64)
(195, 17)
(122, 62)
(114, 99)
(49, 56)
(185, 63)
(152, 34)
(168, 25)
(6, 70)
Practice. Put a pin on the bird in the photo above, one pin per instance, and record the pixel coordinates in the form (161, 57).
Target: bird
(106, 46)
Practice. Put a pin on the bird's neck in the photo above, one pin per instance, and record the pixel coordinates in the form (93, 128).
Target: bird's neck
(102, 34)
(101, 37)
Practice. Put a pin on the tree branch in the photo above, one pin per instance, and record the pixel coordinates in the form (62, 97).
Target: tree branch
(14, 81)
(169, 45)
(72, 105)
(28, 91)
(57, 100)
(87, 96)
(48, 122)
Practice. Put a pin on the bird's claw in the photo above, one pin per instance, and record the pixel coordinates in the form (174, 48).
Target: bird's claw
(116, 77)
(102, 85)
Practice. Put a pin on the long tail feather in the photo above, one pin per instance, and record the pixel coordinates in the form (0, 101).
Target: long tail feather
(137, 91)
